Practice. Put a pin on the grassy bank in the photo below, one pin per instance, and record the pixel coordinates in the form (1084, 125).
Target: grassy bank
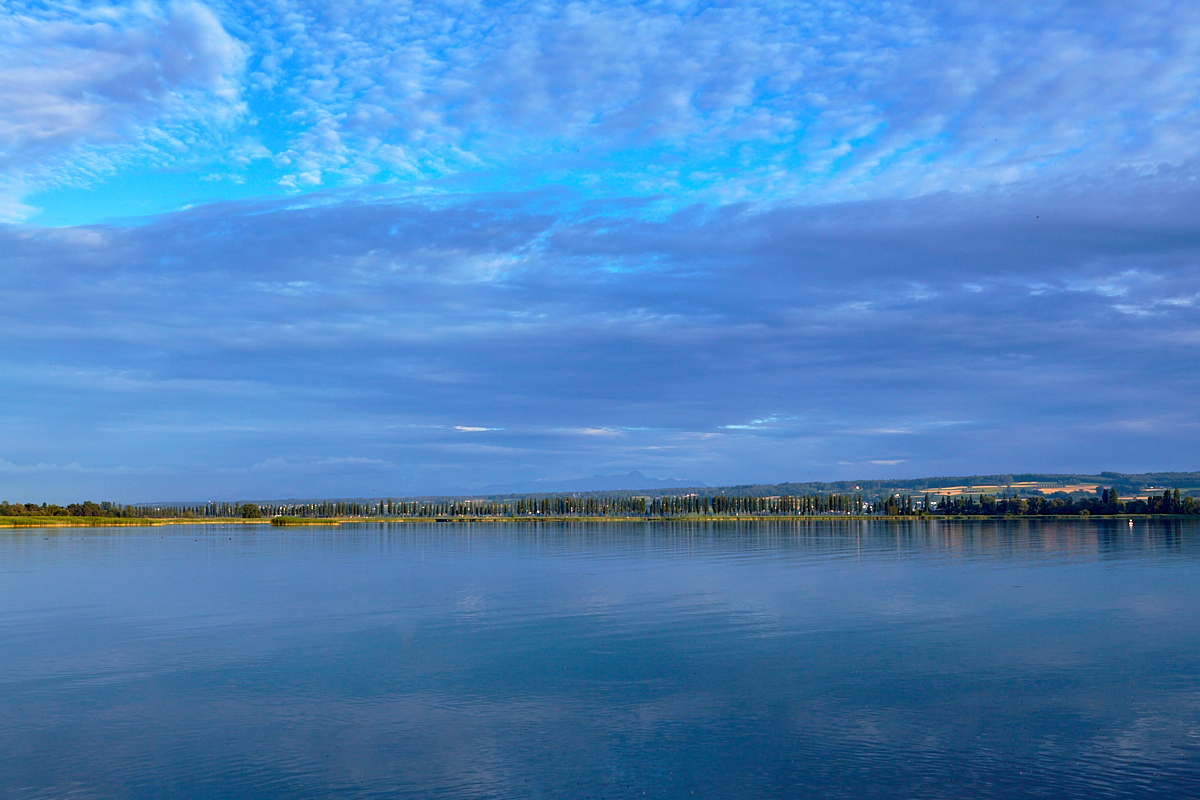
(34, 521)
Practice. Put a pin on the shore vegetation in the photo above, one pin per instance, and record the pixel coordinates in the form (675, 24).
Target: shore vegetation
(953, 502)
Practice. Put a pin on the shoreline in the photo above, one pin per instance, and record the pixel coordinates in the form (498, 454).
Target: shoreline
(117, 522)
(17, 522)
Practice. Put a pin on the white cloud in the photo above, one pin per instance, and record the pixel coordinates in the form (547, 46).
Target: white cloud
(83, 87)
(356, 461)
(757, 97)
(744, 101)
(9, 467)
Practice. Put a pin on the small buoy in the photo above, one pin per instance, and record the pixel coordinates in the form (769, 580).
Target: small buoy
(1130, 522)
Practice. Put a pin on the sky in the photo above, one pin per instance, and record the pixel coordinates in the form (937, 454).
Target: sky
(288, 248)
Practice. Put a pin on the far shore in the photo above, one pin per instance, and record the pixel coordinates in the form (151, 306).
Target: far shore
(21, 522)
(32, 521)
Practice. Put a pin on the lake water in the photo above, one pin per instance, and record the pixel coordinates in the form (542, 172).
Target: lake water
(660, 660)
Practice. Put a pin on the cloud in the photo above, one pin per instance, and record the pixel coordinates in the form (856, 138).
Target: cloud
(353, 461)
(754, 99)
(715, 103)
(9, 467)
(590, 318)
(84, 88)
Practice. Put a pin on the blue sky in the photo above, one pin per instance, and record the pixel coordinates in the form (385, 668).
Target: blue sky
(279, 249)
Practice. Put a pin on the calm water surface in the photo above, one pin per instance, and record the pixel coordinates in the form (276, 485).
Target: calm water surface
(1056, 659)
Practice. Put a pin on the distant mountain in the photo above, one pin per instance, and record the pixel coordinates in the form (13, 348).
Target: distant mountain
(631, 481)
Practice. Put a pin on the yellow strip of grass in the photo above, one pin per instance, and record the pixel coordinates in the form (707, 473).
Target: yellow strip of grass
(32, 521)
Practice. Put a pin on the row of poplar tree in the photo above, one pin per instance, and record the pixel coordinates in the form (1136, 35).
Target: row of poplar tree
(1107, 502)
(587, 506)
(1170, 502)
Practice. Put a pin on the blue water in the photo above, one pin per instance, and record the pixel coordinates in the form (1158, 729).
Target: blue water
(821, 659)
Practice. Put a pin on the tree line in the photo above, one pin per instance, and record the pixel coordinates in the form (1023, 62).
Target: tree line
(661, 507)
(117, 510)
(1107, 502)
(561, 506)
(832, 504)
(588, 506)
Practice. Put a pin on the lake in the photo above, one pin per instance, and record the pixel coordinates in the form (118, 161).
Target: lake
(832, 659)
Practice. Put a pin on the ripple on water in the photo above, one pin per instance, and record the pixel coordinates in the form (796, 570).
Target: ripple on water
(821, 659)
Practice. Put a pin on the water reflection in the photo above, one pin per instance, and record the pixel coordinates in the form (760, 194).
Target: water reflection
(1003, 538)
(769, 659)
